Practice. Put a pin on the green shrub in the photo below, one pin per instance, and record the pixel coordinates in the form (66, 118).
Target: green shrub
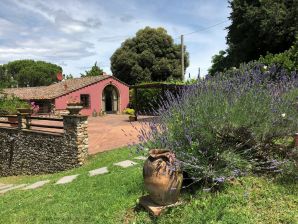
(129, 111)
(149, 98)
(287, 59)
(9, 105)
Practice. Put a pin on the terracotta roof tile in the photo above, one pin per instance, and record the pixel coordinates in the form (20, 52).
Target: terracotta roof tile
(55, 90)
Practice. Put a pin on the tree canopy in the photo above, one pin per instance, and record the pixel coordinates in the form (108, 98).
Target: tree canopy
(151, 55)
(94, 71)
(257, 28)
(32, 73)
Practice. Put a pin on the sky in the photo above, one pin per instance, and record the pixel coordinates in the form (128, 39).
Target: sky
(76, 33)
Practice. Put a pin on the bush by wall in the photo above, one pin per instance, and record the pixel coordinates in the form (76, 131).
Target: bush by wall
(147, 100)
(150, 98)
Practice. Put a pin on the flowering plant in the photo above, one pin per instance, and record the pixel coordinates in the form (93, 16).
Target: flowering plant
(34, 107)
(229, 125)
(73, 100)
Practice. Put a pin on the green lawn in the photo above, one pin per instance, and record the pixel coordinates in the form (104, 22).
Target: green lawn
(112, 198)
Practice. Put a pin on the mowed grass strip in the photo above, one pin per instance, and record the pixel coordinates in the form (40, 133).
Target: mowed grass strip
(112, 198)
(98, 199)
(248, 200)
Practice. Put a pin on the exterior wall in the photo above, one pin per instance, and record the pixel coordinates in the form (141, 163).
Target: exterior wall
(95, 91)
(30, 152)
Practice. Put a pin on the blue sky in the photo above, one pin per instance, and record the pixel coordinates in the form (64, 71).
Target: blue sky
(76, 33)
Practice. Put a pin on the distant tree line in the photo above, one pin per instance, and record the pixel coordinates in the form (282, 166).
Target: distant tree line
(30, 73)
(23, 73)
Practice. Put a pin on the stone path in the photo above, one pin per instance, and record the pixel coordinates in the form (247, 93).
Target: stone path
(141, 158)
(36, 185)
(12, 188)
(102, 170)
(125, 163)
(67, 179)
(4, 186)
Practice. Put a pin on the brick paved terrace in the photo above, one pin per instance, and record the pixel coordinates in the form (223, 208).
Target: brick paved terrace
(112, 131)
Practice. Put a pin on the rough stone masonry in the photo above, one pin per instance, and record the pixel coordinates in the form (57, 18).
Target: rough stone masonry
(24, 151)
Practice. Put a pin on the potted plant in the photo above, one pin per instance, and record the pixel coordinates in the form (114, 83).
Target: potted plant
(162, 177)
(131, 112)
(101, 113)
(94, 113)
(9, 106)
(74, 106)
(28, 109)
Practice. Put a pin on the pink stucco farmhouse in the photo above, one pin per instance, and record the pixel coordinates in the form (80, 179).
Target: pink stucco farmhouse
(98, 94)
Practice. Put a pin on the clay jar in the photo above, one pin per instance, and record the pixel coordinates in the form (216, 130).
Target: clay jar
(74, 108)
(162, 177)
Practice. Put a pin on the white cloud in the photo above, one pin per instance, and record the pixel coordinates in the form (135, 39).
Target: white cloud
(45, 49)
(77, 33)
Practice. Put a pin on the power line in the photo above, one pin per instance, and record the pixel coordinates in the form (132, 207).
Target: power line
(205, 28)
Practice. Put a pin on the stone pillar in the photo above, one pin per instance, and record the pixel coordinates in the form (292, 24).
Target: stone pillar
(20, 121)
(23, 121)
(76, 134)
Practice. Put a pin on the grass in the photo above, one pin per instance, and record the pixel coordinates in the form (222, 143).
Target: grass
(112, 198)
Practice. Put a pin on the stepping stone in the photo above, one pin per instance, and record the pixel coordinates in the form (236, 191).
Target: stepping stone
(67, 179)
(125, 163)
(4, 186)
(153, 208)
(141, 158)
(12, 188)
(102, 170)
(36, 185)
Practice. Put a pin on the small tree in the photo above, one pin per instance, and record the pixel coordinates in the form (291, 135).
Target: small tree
(70, 76)
(94, 71)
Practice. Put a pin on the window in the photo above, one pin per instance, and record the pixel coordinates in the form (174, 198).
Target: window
(85, 100)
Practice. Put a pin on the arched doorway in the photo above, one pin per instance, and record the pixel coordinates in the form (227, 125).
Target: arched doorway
(110, 99)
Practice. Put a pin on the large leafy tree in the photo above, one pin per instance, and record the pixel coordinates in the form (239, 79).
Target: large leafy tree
(151, 55)
(29, 73)
(258, 27)
(94, 71)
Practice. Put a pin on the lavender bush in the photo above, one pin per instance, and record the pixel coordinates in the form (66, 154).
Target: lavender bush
(229, 125)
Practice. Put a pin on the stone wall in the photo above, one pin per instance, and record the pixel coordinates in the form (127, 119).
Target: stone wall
(24, 151)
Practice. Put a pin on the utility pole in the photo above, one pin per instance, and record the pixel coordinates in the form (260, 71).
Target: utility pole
(182, 58)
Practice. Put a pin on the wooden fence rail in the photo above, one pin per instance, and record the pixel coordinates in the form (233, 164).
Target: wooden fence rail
(24, 121)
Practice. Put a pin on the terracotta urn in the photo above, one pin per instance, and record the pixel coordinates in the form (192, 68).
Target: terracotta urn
(74, 108)
(162, 177)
